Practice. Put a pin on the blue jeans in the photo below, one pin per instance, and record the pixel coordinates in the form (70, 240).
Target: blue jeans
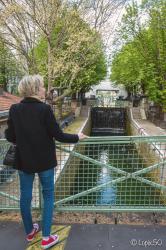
(26, 185)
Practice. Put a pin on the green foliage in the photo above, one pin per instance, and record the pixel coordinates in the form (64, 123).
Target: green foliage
(141, 63)
(78, 59)
(9, 71)
(3, 53)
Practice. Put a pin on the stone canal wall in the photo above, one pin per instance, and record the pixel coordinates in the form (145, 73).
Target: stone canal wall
(152, 152)
(70, 165)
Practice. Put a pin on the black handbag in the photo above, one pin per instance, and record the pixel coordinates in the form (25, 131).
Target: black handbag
(10, 157)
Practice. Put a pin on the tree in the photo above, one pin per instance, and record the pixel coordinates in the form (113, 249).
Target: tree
(141, 61)
(97, 12)
(53, 40)
(18, 32)
(44, 14)
(77, 55)
(9, 67)
(101, 15)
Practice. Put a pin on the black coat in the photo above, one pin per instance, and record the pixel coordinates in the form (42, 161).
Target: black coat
(32, 127)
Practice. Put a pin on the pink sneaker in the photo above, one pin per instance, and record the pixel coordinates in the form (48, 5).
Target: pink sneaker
(31, 236)
(53, 239)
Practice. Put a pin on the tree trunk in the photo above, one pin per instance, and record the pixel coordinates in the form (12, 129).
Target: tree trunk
(49, 67)
(66, 92)
(59, 107)
(4, 80)
(59, 102)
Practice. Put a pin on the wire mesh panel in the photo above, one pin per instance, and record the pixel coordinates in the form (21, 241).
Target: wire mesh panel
(123, 173)
(9, 184)
(112, 174)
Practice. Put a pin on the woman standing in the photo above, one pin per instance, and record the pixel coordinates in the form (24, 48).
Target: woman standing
(33, 128)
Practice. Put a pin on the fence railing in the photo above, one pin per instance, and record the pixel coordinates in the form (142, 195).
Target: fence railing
(124, 173)
(9, 184)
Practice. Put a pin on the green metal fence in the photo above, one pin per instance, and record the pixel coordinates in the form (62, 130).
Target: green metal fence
(9, 184)
(124, 173)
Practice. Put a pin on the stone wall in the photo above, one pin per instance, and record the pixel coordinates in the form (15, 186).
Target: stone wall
(66, 179)
(150, 152)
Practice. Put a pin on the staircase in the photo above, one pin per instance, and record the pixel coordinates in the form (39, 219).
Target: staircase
(84, 111)
(136, 113)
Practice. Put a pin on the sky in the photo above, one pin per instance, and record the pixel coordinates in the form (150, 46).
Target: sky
(110, 30)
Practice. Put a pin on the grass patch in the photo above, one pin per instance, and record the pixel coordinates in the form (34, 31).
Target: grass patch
(75, 126)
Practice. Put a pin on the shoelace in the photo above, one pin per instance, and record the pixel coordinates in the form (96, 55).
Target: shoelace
(35, 228)
(54, 237)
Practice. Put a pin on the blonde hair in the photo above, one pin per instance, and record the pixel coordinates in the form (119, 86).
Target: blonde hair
(30, 85)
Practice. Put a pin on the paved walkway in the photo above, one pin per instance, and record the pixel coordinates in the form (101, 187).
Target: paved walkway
(120, 237)
(150, 128)
(89, 237)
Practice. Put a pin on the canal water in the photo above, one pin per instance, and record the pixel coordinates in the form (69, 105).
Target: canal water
(129, 192)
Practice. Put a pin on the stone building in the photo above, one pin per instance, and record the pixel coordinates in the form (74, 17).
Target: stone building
(106, 87)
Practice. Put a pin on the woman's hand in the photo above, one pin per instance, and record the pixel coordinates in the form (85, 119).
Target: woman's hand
(82, 136)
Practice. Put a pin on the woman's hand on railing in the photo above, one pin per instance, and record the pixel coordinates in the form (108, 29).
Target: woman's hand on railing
(82, 136)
